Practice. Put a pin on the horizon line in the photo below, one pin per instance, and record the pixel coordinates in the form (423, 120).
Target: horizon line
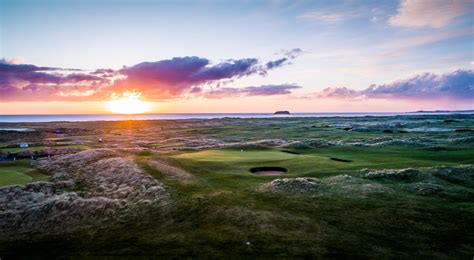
(246, 113)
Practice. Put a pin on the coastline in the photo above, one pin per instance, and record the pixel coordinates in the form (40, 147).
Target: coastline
(190, 116)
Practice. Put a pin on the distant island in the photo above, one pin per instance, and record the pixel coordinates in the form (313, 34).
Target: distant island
(443, 111)
(282, 112)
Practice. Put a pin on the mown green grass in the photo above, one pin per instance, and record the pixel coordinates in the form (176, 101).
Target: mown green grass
(19, 172)
(229, 165)
(34, 148)
(235, 156)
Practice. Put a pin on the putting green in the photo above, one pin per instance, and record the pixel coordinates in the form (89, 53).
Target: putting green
(237, 156)
(234, 162)
(12, 173)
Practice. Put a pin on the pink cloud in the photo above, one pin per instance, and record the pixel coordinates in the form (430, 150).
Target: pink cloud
(432, 13)
(338, 92)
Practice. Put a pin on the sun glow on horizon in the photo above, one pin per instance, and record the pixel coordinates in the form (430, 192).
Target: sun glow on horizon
(129, 103)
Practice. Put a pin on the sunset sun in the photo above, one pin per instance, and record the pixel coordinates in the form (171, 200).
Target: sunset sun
(129, 103)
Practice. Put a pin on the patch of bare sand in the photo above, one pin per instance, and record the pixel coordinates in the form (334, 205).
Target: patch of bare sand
(269, 173)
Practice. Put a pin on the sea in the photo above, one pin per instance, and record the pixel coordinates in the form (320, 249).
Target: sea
(119, 117)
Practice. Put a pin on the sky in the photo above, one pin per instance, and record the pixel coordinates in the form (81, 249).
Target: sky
(75, 57)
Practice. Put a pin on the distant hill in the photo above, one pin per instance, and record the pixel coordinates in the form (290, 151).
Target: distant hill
(443, 111)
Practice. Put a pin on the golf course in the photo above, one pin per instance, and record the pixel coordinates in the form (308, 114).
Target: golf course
(326, 187)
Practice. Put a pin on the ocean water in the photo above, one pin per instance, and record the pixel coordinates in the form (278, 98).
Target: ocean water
(117, 117)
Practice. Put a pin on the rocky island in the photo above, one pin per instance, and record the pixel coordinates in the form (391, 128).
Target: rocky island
(283, 112)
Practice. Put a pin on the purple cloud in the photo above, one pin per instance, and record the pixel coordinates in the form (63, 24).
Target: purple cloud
(80, 77)
(275, 64)
(154, 80)
(455, 85)
(289, 55)
(27, 82)
(458, 85)
(26, 72)
(227, 70)
(174, 77)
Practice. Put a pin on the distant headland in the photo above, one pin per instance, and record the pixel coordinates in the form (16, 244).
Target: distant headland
(443, 111)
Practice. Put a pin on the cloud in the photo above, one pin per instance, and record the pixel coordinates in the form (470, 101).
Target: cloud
(293, 53)
(164, 79)
(329, 16)
(226, 70)
(28, 82)
(11, 67)
(432, 13)
(338, 92)
(401, 45)
(458, 85)
(264, 90)
(174, 77)
(16, 60)
(276, 63)
(289, 55)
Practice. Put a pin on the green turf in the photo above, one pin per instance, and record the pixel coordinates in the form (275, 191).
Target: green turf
(19, 172)
(236, 156)
(316, 163)
(34, 148)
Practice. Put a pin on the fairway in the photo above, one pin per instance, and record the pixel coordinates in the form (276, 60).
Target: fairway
(19, 172)
(35, 148)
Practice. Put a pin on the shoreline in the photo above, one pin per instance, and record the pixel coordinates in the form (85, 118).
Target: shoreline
(56, 118)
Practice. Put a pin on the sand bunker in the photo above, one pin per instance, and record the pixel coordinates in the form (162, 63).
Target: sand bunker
(339, 160)
(291, 152)
(268, 171)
